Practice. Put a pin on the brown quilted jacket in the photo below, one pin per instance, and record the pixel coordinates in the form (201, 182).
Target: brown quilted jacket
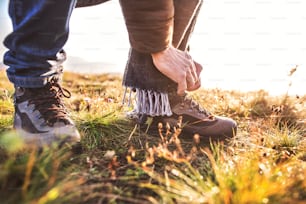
(149, 22)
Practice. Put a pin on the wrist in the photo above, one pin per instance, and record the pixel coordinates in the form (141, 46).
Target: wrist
(162, 52)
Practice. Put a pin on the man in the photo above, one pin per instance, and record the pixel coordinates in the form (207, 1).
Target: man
(159, 67)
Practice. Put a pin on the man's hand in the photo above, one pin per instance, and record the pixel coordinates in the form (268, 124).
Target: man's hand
(179, 67)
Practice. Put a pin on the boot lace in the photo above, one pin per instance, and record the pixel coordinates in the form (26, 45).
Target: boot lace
(194, 106)
(48, 101)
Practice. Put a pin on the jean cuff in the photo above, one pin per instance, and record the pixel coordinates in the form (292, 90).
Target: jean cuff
(33, 82)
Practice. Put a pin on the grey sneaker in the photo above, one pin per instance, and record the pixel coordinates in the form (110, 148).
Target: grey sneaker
(41, 117)
(195, 120)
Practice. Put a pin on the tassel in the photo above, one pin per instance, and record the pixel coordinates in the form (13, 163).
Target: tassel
(149, 102)
(152, 103)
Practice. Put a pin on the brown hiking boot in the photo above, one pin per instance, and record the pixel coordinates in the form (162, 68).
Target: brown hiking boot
(194, 119)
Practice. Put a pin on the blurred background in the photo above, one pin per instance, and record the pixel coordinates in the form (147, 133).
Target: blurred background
(243, 45)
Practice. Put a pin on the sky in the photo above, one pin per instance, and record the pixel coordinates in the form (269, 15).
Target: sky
(242, 44)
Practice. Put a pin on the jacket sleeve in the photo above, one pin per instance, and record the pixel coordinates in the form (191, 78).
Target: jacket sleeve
(149, 24)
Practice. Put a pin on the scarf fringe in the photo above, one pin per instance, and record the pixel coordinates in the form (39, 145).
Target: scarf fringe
(151, 103)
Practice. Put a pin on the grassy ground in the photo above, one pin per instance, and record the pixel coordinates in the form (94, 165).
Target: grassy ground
(119, 163)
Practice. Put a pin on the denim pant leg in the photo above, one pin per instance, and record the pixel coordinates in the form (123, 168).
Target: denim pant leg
(35, 46)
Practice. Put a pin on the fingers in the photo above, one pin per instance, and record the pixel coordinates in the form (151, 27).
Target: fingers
(182, 87)
(185, 81)
(191, 81)
(192, 67)
(195, 86)
(199, 68)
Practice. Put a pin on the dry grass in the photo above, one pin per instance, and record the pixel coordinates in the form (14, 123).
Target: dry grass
(119, 163)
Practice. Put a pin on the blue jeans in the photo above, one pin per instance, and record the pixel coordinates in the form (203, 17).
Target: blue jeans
(35, 47)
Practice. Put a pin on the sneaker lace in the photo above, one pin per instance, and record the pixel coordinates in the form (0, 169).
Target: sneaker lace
(48, 101)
